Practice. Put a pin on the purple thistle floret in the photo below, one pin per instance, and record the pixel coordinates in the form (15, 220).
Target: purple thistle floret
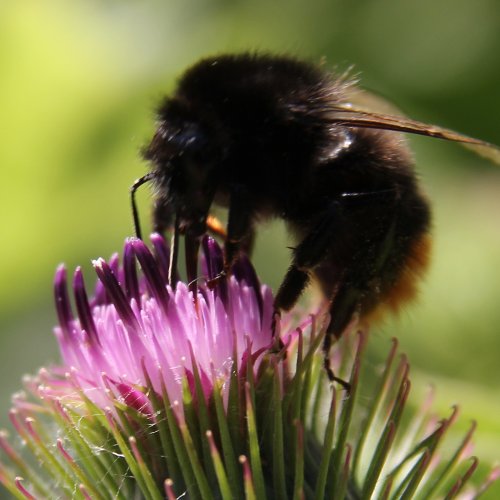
(138, 327)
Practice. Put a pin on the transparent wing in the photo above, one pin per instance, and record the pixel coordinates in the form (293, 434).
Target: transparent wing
(351, 115)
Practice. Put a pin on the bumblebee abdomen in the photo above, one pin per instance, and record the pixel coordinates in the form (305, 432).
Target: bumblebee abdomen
(404, 288)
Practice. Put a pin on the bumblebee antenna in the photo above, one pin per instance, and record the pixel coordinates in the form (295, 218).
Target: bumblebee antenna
(135, 214)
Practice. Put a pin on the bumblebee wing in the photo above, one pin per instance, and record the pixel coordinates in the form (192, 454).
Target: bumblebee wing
(371, 102)
(352, 116)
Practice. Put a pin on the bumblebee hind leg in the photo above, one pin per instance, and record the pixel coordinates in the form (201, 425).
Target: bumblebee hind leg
(309, 254)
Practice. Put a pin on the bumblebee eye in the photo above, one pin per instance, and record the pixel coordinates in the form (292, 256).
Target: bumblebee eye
(173, 141)
(189, 139)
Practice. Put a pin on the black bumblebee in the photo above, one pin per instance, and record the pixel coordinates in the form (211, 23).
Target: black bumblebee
(272, 136)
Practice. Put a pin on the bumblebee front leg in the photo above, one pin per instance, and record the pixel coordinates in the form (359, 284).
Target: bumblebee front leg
(240, 230)
(239, 233)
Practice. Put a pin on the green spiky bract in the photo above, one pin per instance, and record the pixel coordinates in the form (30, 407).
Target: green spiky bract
(283, 432)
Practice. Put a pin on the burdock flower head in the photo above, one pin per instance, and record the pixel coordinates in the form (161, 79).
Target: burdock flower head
(184, 392)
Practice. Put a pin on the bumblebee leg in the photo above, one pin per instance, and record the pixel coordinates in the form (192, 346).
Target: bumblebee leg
(344, 305)
(239, 234)
(327, 344)
(306, 255)
(215, 226)
(344, 267)
(240, 231)
(291, 288)
(362, 281)
(174, 253)
(192, 246)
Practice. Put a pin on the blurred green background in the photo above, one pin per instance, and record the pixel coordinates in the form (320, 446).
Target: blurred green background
(78, 84)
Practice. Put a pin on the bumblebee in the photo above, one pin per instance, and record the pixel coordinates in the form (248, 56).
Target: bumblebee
(275, 137)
